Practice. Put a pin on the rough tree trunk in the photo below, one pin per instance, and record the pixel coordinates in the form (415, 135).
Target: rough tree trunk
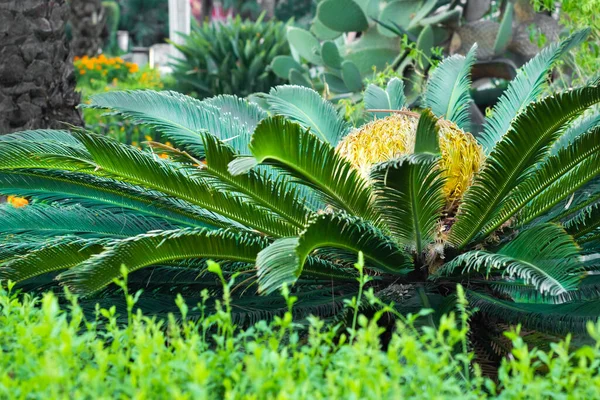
(37, 83)
(87, 23)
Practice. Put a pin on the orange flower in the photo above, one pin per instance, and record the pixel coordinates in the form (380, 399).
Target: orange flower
(82, 72)
(17, 202)
(163, 156)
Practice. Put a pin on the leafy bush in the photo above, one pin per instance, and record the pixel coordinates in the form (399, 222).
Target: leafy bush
(96, 72)
(101, 74)
(49, 353)
(146, 20)
(230, 58)
(575, 15)
(513, 214)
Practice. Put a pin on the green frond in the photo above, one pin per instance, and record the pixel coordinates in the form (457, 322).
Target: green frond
(587, 195)
(556, 318)
(448, 90)
(99, 193)
(408, 193)
(180, 118)
(584, 222)
(313, 162)
(515, 157)
(554, 180)
(528, 85)
(44, 136)
(142, 168)
(44, 220)
(520, 292)
(12, 245)
(59, 254)
(283, 261)
(321, 302)
(246, 113)
(148, 249)
(392, 98)
(427, 137)
(544, 256)
(309, 109)
(574, 131)
(42, 153)
(274, 193)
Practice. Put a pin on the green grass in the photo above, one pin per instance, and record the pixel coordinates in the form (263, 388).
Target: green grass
(51, 351)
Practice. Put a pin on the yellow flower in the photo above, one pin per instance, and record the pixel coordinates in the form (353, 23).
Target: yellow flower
(17, 202)
(393, 136)
(163, 156)
(148, 138)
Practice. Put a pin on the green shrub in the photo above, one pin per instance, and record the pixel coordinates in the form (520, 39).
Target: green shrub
(146, 20)
(48, 353)
(105, 74)
(230, 58)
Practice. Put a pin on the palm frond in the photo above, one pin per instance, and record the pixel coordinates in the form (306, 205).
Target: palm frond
(448, 90)
(392, 98)
(527, 86)
(56, 255)
(142, 168)
(272, 192)
(305, 106)
(575, 131)
(246, 113)
(44, 136)
(520, 292)
(180, 118)
(99, 193)
(12, 245)
(427, 139)
(587, 195)
(584, 222)
(44, 220)
(313, 162)
(39, 152)
(283, 261)
(557, 318)
(155, 248)
(554, 180)
(515, 157)
(409, 195)
(544, 256)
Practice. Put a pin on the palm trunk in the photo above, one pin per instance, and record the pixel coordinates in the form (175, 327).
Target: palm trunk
(87, 23)
(37, 84)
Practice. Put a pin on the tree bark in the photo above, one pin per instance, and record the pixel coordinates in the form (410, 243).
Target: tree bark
(37, 83)
(87, 23)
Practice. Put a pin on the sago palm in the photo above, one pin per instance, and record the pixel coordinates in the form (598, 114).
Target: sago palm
(291, 196)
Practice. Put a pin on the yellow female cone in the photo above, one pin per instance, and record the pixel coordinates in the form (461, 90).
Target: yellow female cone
(395, 136)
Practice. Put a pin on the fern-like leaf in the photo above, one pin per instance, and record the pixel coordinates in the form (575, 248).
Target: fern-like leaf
(544, 256)
(309, 109)
(448, 90)
(283, 261)
(515, 158)
(409, 196)
(528, 85)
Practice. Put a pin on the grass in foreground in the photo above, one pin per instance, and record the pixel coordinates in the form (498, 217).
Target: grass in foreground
(50, 352)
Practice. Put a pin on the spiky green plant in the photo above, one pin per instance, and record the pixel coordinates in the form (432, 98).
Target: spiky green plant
(230, 58)
(273, 201)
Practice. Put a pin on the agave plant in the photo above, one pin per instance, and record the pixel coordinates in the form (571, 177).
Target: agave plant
(291, 198)
(230, 58)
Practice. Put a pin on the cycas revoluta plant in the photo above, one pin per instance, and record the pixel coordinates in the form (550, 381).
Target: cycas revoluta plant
(272, 199)
(230, 58)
